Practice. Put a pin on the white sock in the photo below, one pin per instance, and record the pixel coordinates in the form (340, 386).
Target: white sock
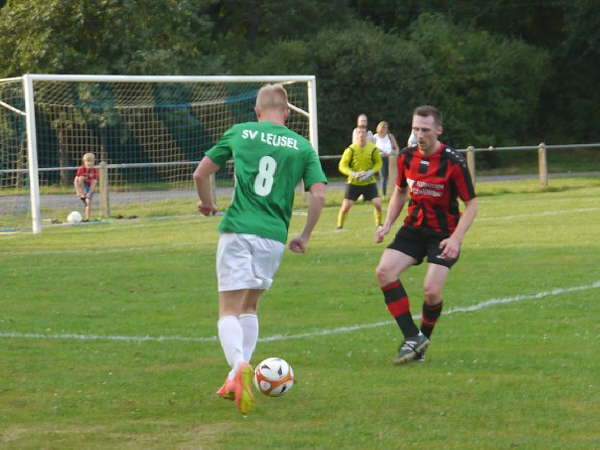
(249, 323)
(231, 337)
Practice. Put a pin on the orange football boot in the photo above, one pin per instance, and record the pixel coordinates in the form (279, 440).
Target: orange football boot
(227, 391)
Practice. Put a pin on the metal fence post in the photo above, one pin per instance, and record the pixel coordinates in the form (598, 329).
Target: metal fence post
(542, 164)
(471, 162)
(104, 200)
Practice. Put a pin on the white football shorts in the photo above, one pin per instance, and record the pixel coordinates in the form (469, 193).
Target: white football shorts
(247, 261)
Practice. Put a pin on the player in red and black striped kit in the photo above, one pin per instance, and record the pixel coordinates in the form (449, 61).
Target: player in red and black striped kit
(435, 176)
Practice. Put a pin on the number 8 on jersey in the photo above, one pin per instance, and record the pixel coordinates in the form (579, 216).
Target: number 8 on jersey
(264, 180)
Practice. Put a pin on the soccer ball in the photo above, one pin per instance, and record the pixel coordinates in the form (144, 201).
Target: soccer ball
(274, 377)
(74, 217)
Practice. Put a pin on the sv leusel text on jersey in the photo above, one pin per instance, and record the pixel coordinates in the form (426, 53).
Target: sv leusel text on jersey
(271, 139)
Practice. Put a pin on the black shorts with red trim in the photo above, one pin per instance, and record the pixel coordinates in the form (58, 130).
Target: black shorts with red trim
(368, 191)
(419, 242)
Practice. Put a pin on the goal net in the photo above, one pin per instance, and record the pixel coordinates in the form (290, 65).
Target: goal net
(148, 133)
(14, 200)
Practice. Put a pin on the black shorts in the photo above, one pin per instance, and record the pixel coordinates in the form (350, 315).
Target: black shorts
(418, 242)
(368, 191)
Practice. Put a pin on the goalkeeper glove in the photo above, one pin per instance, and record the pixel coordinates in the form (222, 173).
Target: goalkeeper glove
(366, 175)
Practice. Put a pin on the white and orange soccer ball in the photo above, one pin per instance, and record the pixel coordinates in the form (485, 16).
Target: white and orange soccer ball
(274, 377)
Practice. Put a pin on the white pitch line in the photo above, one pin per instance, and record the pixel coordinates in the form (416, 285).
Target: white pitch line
(325, 332)
(500, 218)
(87, 337)
(99, 251)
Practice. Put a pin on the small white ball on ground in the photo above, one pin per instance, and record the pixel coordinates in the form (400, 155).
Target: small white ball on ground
(74, 217)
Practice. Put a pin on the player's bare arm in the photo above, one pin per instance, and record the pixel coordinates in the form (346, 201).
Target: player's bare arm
(79, 186)
(450, 247)
(395, 206)
(201, 176)
(317, 201)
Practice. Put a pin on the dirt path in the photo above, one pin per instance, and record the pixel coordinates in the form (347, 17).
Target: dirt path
(53, 201)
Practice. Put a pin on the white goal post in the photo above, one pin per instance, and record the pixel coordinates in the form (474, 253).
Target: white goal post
(148, 132)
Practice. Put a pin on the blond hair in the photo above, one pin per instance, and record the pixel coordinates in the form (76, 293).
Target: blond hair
(89, 157)
(382, 124)
(272, 96)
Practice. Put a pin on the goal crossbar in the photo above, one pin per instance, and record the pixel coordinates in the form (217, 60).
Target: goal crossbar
(173, 78)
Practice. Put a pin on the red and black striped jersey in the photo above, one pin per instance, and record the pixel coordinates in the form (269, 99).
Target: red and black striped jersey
(435, 182)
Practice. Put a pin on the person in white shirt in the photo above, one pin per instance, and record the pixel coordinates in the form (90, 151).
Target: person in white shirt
(362, 122)
(386, 142)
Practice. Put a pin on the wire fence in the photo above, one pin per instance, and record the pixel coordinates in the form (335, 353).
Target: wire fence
(542, 149)
(111, 189)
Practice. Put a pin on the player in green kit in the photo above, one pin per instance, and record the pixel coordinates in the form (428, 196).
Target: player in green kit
(270, 160)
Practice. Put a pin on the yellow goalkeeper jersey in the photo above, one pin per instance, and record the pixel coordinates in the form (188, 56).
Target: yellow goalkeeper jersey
(360, 159)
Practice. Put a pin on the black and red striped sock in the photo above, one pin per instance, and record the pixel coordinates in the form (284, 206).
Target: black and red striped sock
(398, 306)
(429, 317)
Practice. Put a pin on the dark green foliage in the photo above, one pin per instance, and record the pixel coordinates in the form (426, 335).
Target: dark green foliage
(486, 85)
(571, 93)
(569, 30)
(108, 36)
(359, 69)
(504, 72)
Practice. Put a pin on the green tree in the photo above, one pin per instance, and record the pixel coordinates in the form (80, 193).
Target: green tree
(537, 22)
(251, 24)
(567, 29)
(570, 98)
(359, 69)
(487, 86)
(106, 36)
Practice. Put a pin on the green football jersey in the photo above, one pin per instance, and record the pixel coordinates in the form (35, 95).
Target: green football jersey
(269, 160)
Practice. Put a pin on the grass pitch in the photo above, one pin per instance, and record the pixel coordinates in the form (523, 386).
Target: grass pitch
(107, 336)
